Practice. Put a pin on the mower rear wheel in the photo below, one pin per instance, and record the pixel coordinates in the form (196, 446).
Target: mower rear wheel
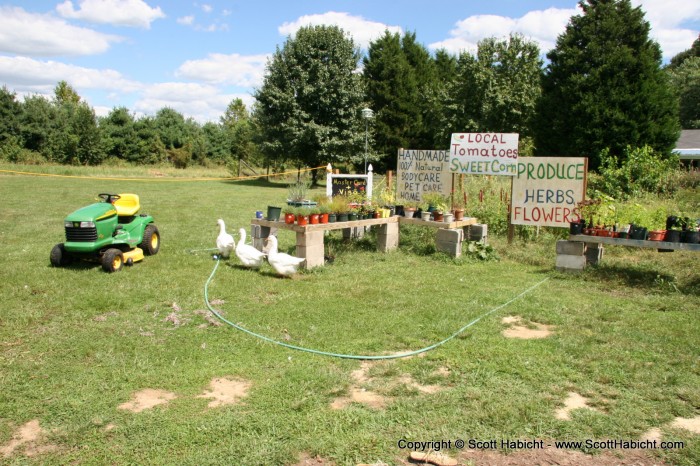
(112, 260)
(151, 240)
(59, 256)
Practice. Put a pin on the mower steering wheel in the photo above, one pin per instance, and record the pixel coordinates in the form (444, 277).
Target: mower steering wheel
(111, 198)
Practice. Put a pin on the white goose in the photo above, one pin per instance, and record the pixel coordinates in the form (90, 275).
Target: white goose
(249, 256)
(224, 242)
(283, 263)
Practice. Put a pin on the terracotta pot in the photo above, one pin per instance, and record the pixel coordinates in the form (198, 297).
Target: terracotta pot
(289, 218)
(656, 235)
(313, 219)
(459, 214)
(302, 220)
(438, 216)
(323, 218)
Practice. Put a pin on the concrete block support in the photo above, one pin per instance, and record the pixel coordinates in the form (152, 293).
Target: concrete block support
(449, 241)
(388, 237)
(310, 247)
(353, 233)
(594, 253)
(256, 235)
(477, 232)
(570, 256)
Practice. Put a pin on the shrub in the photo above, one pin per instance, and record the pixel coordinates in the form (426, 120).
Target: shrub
(642, 170)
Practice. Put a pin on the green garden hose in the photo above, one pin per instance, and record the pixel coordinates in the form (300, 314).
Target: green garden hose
(355, 356)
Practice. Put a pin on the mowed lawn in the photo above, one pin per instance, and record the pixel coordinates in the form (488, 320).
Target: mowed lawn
(129, 368)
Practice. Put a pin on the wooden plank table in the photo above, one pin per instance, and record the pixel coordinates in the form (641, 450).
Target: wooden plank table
(310, 237)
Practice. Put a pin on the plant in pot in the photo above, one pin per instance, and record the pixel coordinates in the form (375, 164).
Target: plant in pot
(437, 203)
(290, 214)
(296, 194)
(339, 205)
(313, 213)
(689, 232)
(425, 213)
(409, 208)
(459, 202)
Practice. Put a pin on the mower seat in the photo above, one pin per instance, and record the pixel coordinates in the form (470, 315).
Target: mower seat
(127, 205)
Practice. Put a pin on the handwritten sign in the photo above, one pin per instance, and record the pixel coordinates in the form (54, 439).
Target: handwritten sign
(347, 185)
(547, 189)
(484, 153)
(422, 171)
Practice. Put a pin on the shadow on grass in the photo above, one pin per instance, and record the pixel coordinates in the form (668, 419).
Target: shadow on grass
(637, 277)
(262, 182)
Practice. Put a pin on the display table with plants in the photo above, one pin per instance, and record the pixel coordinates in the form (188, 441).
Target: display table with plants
(580, 250)
(310, 237)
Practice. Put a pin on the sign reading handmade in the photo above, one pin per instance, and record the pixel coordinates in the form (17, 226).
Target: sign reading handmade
(422, 171)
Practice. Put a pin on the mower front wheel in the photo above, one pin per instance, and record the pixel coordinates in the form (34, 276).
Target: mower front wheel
(112, 260)
(151, 240)
(59, 256)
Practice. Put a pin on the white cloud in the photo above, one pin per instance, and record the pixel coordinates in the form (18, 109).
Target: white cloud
(234, 69)
(362, 31)
(207, 8)
(43, 35)
(28, 75)
(131, 13)
(201, 102)
(186, 20)
(541, 26)
(667, 19)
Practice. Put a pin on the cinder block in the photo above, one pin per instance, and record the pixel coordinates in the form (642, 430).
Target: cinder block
(572, 248)
(353, 233)
(567, 263)
(477, 232)
(310, 238)
(594, 253)
(450, 248)
(388, 237)
(445, 235)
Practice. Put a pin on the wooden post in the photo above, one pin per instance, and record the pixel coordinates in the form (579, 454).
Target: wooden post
(511, 227)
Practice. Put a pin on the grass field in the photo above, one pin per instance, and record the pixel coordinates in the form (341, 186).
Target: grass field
(77, 344)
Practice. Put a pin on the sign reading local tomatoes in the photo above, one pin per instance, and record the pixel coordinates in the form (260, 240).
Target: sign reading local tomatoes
(484, 153)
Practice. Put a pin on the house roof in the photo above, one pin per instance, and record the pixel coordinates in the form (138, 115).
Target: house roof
(688, 145)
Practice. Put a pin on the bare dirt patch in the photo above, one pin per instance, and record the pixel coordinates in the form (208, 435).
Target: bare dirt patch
(30, 438)
(360, 395)
(530, 331)
(147, 399)
(573, 401)
(652, 435)
(692, 424)
(408, 381)
(306, 460)
(225, 391)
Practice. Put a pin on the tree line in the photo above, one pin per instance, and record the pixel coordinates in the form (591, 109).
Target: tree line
(603, 88)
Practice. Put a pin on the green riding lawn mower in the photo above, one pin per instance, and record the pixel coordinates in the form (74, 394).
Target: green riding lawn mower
(111, 232)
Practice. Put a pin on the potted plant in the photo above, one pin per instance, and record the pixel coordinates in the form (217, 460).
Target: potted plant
(290, 214)
(313, 213)
(409, 208)
(296, 195)
(689, 233)
(339, 205)
(459, 202)
(437, 203)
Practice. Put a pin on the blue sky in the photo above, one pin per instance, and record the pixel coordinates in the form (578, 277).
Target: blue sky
(196, 56)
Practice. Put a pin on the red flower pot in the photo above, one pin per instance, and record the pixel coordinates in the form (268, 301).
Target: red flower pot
(302, 220)
(313, 219)
(289, 218)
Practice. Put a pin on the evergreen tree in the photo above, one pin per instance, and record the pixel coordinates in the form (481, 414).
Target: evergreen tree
(38, 125)
(693, 51)
(119, 135)
(393, 94)
(308, 108)
(604, 87)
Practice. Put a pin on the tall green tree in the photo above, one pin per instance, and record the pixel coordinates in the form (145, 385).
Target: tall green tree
(119, 135)
(495, 90)
(38, 124)
(308, 108)
(604, 87)
(685, 79)
(693, 51)
(393, 94)
(10, 110)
